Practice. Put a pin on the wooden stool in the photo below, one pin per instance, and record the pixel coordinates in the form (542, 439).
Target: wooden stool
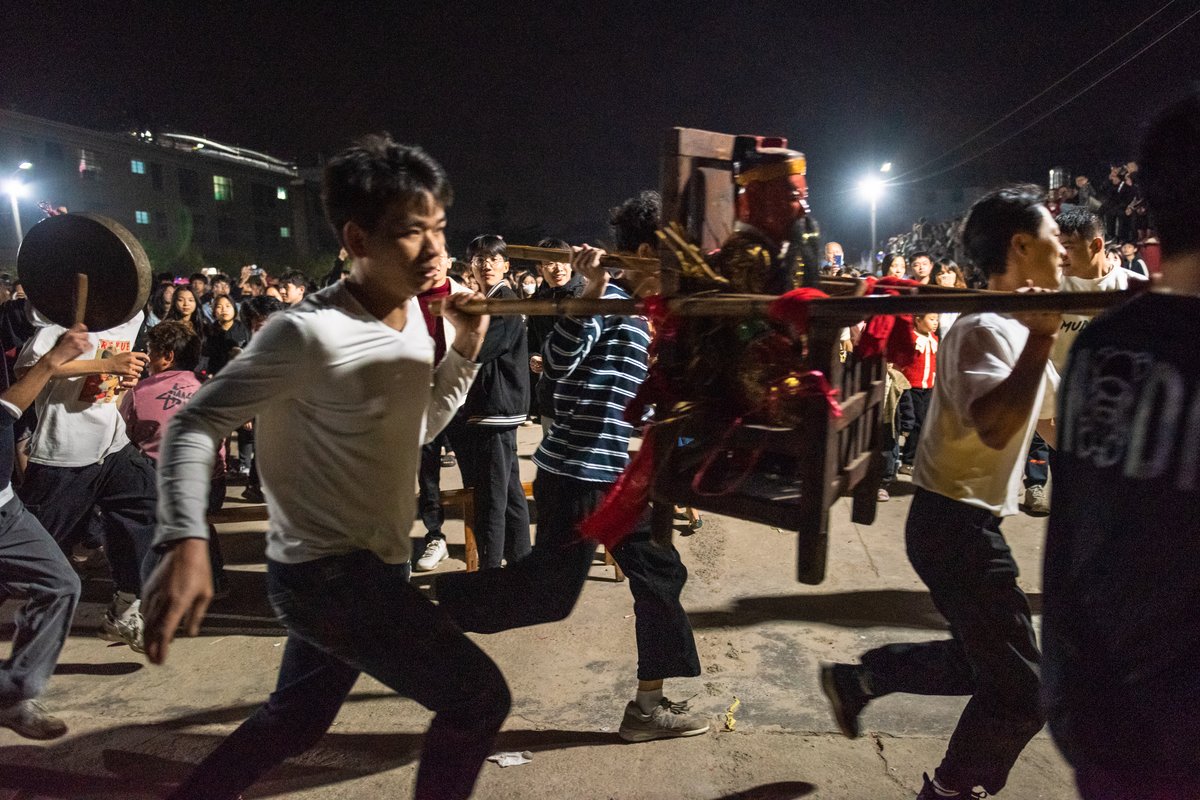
(463, 499)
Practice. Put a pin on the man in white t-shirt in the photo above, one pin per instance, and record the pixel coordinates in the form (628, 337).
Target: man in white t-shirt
(80, 459)
(995, 382)
(344, 390)
(1086, 268)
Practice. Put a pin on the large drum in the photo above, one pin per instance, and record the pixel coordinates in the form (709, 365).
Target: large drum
(59, 249)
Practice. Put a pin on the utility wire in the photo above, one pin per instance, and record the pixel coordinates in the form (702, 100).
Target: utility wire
(1009, 115)
(1054, 110)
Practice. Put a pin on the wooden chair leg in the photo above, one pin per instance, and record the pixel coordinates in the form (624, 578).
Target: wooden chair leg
(618, 575)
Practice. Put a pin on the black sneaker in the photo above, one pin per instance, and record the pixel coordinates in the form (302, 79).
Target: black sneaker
(931, 792)
(253, 494)
(840, 684)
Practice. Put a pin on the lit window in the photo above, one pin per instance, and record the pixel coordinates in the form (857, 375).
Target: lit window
(281, 193)
(222, 188)
(285, 233)
(142, 217)
(88, 165)
(137, 167)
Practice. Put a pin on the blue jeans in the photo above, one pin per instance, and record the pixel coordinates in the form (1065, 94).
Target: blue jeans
(349, 614)
(32, 567)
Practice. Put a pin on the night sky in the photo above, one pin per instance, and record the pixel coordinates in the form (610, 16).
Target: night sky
(554, 114)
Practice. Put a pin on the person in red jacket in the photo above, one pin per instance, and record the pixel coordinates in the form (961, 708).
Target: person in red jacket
(914, 403)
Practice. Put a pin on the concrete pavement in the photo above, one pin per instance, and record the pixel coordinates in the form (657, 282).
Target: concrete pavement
(761, 636)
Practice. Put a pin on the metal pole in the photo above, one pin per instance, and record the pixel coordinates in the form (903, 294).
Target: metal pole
(872, 261)
(16, 212)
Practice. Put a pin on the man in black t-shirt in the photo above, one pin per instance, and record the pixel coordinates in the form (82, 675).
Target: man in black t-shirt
(1122, 575)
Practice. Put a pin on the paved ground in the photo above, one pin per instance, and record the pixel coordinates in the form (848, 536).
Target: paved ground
(761, 635)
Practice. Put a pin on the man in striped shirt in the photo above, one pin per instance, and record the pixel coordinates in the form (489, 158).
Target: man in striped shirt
(598, 364)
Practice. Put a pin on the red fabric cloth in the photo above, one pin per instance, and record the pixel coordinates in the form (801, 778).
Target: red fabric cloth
(434, 323)
(890, 335)
(792, 307)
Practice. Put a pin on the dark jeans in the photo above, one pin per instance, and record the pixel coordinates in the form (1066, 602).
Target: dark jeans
(914, 408)
(122, 486)
(429, 492)
(1040, 462)
(545, 586)
(33, 567)
(960, 554)
(487, 457)
(351, 614)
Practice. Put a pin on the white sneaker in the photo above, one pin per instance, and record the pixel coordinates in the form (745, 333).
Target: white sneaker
(1037, 504)
(123, 622)
(435, 553)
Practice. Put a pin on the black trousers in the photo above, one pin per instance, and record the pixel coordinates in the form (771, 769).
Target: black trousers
(346, 615)
(960, 554)
(545, 586)
(487, 457)
(913, 409)
(122, 486)
(429, 491)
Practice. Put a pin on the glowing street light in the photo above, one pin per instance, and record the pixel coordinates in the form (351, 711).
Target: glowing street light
(15, 188)
(887, 167)
(871, 188)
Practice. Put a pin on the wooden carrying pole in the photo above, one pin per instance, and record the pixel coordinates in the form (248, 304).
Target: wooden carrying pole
(81, 297)
(609, 261)
(842, 309)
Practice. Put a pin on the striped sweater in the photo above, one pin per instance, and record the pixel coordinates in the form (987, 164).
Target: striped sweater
(599, 363)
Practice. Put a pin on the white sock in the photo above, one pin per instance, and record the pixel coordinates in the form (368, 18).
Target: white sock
(648, 700)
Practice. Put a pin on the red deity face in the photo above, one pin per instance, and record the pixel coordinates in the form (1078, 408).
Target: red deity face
(773, 205)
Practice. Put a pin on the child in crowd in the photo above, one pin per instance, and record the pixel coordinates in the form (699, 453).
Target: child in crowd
(914, 403)
(149, 407)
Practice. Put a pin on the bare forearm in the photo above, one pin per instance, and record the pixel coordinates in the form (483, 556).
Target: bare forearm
(92, 366)
(1004, 412)
(22, 393)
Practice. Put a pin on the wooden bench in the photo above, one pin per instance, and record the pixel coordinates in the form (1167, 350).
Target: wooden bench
(462, 499)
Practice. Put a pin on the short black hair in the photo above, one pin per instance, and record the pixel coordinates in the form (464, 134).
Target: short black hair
(1169, 170)
(636, 221)
(1080, 221)
(256, 280)
(220, 276)
(199, 276)
(255, 308)
(177, 338)
(919, 254)
(554, 244)
(487, 245)
(295, 277)
(994, 219)
(362, 182)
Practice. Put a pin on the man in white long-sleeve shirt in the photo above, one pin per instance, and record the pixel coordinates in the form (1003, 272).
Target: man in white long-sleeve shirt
(344, 391)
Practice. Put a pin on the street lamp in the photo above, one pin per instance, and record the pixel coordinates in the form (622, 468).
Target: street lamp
(871, 188)
(15, 189)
